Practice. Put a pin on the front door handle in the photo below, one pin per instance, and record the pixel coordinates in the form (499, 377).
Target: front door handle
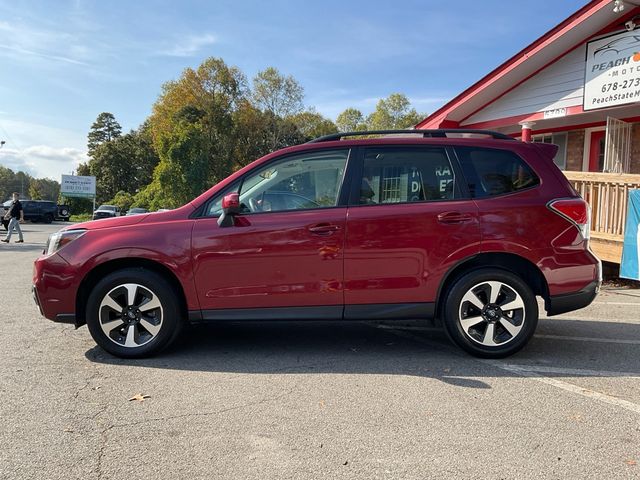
(454, 217)
(324, 228)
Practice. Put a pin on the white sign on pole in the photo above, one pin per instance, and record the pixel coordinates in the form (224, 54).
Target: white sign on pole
(612, 75)
(75, 186)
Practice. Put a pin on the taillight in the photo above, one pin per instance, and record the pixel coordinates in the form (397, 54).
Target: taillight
(576, 210)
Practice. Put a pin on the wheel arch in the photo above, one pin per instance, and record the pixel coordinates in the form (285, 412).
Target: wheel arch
(110, 266)
(525, 269)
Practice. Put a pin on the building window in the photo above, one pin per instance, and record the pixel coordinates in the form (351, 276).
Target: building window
(559, 139)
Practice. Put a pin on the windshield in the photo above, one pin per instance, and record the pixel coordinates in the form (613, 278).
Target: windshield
(107, 207)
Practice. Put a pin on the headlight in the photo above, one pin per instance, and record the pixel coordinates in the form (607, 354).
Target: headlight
(59, 239)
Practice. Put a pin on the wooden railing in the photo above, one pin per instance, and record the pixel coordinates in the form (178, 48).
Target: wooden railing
(607, 193)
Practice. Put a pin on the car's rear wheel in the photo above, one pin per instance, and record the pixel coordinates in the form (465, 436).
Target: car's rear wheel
(48, 218)
(133, 313)
(490, 313)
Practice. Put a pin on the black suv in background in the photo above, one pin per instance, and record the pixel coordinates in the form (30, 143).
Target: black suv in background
(40, 211)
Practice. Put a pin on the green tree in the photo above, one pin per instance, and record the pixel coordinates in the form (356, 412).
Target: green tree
(207, 124)
(312, 125)
(195, 133)
(123, 200)
(104, 129)
(351, 120)
(77, 206)
(393, 112)
(278, 95)
(44, 189)
(125, 163)
(7, 184)
(252, 134)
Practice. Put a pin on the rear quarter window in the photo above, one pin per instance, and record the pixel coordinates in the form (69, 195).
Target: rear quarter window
(491, 172)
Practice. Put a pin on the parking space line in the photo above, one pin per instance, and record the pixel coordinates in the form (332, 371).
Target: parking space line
(589, 339)
(626, 304)
(578, 372)
(620, 341)
(534, 372)
(569, 387)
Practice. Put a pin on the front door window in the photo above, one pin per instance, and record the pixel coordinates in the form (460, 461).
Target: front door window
(300, 182)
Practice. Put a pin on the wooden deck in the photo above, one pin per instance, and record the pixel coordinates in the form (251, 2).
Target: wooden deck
(607, 194)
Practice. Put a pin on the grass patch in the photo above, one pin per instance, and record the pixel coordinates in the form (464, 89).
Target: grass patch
(83, 217)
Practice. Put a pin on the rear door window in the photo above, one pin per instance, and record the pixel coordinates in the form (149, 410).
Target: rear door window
(490, 172)
(406, 174)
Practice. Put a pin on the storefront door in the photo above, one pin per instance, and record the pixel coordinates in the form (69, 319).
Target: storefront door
(596, 151)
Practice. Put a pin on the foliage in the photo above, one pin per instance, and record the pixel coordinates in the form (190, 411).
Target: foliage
(280, 97)
(26, 186)
(82, 217)
(351, 120)
(44, 189)
(391, 113)
(123, 200)
(123, 163)
(104, 129)
(312, 125)
(78, 206)
(11, 182)
(276, 93)
(193, 132)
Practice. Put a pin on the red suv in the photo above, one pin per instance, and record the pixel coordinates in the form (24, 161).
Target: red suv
(464, 226)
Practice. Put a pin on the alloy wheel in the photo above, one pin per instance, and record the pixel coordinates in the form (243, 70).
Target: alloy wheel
(130, 315)
(492, 313)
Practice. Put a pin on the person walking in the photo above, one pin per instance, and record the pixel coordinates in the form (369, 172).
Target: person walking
(15, 215)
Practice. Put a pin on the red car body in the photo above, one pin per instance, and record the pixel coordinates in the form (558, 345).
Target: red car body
(346, 262)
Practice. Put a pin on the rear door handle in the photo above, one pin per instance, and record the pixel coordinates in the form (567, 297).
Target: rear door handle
(324, 228)
(454, 217)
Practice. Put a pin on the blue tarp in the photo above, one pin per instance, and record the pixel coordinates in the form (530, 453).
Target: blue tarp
(630, 265)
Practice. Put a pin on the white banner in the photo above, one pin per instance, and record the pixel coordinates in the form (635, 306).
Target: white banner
(75, 186)
(612, 74)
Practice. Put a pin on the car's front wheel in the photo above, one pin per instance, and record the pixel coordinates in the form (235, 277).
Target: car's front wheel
(490, 313)
(133, 313)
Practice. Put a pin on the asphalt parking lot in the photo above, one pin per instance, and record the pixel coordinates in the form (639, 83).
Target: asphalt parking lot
(316, 400)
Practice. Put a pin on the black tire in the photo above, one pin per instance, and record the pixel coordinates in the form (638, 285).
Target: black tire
(149, 285)
(48, 218)
(462, 312)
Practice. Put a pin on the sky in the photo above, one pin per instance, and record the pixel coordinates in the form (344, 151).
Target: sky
(63, 62)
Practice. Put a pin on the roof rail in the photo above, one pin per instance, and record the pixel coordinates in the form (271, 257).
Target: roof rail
(439, 133)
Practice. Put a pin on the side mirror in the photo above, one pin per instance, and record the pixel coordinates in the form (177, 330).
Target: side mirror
(230, 207)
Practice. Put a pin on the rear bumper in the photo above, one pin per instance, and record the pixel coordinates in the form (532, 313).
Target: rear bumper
(557, 304)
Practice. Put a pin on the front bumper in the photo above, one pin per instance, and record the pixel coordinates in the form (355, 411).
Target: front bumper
(54, 288)
(568, 302)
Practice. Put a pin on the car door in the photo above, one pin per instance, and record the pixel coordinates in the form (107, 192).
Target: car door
(276, 261)
(31, 211)
(408, 223)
